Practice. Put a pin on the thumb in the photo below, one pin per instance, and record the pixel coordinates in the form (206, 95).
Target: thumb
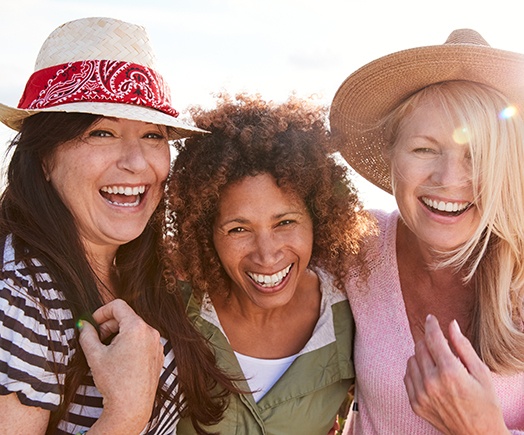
(88, 339)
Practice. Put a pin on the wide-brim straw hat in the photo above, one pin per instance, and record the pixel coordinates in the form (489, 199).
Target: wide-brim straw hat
(378, 87)
(101, 66)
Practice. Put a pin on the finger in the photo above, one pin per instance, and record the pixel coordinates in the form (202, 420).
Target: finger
(467, 354)
(426, 365)
(108, 328)
(416, 375)
(88, 338)
(437, 344)
(117, 309)
(411, 378)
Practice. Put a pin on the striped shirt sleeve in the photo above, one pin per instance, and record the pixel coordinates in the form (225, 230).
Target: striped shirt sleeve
(36, 333)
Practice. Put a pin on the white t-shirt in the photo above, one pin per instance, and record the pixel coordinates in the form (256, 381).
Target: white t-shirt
(262, 374)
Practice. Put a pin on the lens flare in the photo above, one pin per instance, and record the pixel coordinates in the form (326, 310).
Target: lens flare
(508, 112)
(461, 135)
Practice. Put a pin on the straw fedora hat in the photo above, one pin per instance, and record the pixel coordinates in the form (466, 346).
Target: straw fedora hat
(101, 66)
(375, 89)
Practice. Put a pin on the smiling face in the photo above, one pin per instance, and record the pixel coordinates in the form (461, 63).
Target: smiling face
(111, 180)
(264, 238)
(431, 174)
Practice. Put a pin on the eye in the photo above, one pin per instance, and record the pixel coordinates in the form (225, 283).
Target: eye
(236, 230)
(156, 136)
(424, 150)
(100, 133)
(286, 222)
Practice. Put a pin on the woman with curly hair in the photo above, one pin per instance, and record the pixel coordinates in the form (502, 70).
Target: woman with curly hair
(264, 224)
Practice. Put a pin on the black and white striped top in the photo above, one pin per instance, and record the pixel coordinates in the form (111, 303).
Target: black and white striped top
(37, 341)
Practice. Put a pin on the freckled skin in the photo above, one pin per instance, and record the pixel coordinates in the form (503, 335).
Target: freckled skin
(112, 152)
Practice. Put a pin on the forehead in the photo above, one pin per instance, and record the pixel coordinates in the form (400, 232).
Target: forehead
(260, 192)
(429, 117)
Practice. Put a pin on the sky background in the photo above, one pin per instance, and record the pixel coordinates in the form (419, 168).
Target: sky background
(272, 47)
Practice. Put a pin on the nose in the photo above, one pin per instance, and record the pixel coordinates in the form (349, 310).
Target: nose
(452, 170)
(132, 156)
(268, 249)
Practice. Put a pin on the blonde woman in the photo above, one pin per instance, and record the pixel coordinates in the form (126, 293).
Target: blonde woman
(439, 323)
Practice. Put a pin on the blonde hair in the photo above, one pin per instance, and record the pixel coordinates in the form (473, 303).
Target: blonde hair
(493, 258)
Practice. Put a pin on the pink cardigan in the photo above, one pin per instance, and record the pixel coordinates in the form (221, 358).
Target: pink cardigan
(383, 343)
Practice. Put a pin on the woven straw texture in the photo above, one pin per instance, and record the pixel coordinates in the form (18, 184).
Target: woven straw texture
(371, 92)
(96, 39)
(99, 38)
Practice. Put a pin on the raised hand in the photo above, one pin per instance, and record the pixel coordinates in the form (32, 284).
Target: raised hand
(452, 391)
(126, 371)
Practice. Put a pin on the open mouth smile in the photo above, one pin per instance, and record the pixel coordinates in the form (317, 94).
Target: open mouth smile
(123, 196)
(446, 208)
(269, 281)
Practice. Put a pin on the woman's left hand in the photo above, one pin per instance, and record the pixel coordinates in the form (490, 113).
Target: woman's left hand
(452, 392)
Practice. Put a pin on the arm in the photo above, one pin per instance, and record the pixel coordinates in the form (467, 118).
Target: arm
(18, 418)
(126, 371)
(29, 386)
(453, 393)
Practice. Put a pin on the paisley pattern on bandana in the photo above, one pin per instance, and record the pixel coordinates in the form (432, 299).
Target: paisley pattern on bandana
(100, 81)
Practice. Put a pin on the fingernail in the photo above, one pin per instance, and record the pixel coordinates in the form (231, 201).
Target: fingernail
(80, 325)
(455, 325)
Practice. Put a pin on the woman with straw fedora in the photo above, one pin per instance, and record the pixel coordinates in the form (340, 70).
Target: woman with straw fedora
(81, 225)
(440, 319)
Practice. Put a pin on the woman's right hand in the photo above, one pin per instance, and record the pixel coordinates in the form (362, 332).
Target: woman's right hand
(452, 391)
(125, 371)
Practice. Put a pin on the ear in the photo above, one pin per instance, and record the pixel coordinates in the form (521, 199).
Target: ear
(47, 168)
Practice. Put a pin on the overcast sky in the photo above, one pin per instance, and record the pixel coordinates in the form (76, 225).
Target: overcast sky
(273, 47)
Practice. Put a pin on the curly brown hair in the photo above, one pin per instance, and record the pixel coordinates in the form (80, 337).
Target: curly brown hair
(251, 136)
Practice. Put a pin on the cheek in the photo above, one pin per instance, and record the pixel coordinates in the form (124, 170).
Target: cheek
(67, 182)
(161, 162)
(229, 253)
(406, 178)
(305, 248)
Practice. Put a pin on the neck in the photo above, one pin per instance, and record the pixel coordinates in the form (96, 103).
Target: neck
(430, 290)
(103, 268)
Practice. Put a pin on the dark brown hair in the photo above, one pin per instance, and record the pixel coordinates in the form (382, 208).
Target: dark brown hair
(43, 228)
(250, 136)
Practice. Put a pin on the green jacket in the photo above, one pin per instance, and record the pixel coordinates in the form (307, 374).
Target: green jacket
(306, 399)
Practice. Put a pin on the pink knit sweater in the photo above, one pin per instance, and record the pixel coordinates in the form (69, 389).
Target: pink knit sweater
(383, 344)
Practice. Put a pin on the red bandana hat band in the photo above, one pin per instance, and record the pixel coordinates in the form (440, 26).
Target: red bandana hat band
(100, 81)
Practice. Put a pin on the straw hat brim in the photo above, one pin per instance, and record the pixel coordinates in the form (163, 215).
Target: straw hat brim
(371, 92)
(14, 117)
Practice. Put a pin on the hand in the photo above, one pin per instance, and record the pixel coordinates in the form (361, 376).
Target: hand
(453, 393)
(336, 427)
(126, 371)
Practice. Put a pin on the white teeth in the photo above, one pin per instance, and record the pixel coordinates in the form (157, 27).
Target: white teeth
(124, 190)
(450, 207)
(126, 204)
(269, 280)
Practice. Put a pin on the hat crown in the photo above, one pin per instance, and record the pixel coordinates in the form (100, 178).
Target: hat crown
(466, 36)
(96, 38)
(375, 89)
